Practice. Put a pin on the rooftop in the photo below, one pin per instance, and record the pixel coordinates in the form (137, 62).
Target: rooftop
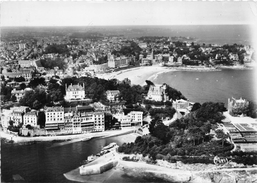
(112, 91)
(31, 113)
(75, 87)
(54, 109)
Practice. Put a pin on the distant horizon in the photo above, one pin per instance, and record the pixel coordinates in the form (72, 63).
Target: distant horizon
(249, 24)
(84, 13)
(209, 33)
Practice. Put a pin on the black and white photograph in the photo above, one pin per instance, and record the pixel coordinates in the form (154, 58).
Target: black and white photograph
(151, 91)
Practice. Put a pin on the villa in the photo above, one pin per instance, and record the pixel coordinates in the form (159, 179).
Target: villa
(182, 106)
(74, 92)
(113, 95)
(237, 106)
(157, 93)
(117, 62)
(19, 93)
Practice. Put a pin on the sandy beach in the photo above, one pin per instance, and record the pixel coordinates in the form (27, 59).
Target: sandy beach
(137, 75)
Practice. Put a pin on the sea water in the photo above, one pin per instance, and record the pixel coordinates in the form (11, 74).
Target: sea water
(215, 86)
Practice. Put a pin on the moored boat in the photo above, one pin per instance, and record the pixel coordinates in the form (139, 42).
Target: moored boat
(110, 146)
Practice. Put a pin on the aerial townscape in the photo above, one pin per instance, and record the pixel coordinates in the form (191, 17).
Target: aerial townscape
(76, 87)
(128, 91)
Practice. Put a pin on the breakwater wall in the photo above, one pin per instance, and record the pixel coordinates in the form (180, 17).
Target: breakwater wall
(98, 168)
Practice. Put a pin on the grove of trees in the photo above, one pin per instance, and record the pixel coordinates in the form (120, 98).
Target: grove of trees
(188, 136)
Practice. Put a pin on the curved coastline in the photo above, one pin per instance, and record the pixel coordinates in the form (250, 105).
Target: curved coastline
(138, 75)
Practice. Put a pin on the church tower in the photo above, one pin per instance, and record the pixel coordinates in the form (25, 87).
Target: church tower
(111, 61)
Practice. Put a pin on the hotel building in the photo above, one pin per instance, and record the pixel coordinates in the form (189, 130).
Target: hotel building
(54, 118)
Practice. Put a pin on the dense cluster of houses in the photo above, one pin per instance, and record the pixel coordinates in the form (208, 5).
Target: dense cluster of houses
(19, 62)
(83, 119)
(70, 120)
(79, 119)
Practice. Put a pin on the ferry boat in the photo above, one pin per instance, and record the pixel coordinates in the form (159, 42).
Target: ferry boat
(105, 150)
(91, 158)
(110, 146)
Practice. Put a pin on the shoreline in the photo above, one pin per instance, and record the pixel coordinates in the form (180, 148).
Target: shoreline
(138, 75)
(66, 138)
(174, 172)
(135, 169)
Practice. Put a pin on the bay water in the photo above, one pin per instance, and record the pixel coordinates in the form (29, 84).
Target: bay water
(215, 86)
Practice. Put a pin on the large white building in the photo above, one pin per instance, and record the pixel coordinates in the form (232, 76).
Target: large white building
(98, 121)
(136, 117)
(182, 106)
(17, 117)
(18, 94)
(83, 120)
(117, 62)
(157, 93)
(74, 92)
(30, 118)
(131, 119)
(5, 118)
(54, 118)
(26, 63)
(237, 106)
(17, 114)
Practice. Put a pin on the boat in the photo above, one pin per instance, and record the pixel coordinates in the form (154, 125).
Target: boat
(105, 150)
(110, 146)
(91, 158)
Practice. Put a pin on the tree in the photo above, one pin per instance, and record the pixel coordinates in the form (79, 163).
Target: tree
(22, 86)
(195, 106)
(34, 99)
(37, 81)
(13, 98)
(51, 64)
(19, 79)
(2, 76)
(29, 127)
(210, 111)
(221, 135)
(57, 48)
(11, 122)
(6, 91)
(41, 119)
(55, 95)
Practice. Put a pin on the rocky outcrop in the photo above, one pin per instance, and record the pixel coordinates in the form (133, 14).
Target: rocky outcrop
(225, 177)
(210, 173)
